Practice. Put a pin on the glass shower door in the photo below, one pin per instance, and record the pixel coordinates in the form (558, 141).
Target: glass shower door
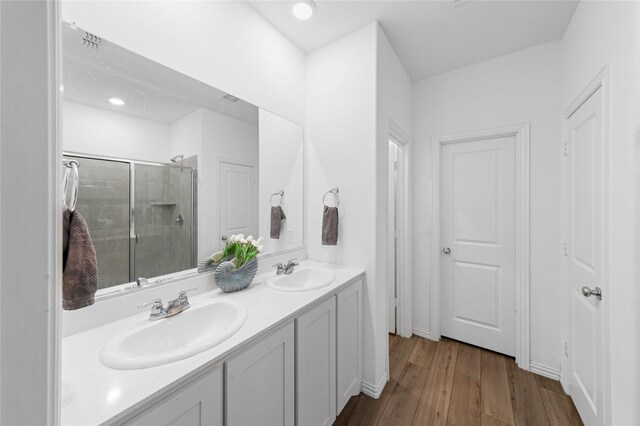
(104, 203)
(162, 231)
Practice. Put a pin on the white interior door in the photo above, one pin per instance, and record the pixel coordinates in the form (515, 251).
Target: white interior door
(586, 343)
(391, 250)
(237, 201)
(478, 242)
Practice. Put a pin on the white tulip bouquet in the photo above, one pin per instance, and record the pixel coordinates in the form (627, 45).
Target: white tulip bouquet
(244, 249)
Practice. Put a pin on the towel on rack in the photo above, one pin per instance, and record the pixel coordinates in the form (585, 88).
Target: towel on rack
(79, 263)
(330, 226)
(277, 216)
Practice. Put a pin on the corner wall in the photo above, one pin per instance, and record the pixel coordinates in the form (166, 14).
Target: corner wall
(512, 89)
(30, 214)
(340, 137)
(355, 86)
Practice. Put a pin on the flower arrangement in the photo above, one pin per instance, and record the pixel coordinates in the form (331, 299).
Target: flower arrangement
(243, 249)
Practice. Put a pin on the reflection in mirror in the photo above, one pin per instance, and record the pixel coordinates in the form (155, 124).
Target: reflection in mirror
(170, 166)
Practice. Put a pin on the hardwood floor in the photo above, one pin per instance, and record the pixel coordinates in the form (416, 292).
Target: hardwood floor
(452, 383)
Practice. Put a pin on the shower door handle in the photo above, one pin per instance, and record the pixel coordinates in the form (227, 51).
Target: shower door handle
(137, 238)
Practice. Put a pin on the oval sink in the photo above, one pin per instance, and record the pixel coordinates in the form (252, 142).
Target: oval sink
(304, 278)
(154, 343)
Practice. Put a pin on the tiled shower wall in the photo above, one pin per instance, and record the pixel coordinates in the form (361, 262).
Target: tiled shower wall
(103, 201)
(163, 193)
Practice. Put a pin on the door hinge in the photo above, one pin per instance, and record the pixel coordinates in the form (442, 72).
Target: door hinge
(566, 152)
(565, 249)
(566, 349)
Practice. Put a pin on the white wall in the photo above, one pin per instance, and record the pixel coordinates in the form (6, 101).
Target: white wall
(212, 136)
(30, 214)
(340, 138)
(513, 89)
(90, 130)
(603, 33)
(281, 168)
(394, 92)
(224, 44)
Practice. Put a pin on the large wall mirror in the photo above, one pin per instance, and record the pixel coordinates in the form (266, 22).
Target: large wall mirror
(170, 167)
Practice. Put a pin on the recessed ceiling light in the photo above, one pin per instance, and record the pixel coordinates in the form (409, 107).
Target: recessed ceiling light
(116, 101)
(303, 9)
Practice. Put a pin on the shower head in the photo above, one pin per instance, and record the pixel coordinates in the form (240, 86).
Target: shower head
(177, 157)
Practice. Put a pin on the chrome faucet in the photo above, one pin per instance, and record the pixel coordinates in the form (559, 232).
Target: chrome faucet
(288, 268)
(279, 268)
(174, 307)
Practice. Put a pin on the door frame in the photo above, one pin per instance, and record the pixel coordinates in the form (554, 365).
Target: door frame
(601, 81)
(404, 321)
(522, 259)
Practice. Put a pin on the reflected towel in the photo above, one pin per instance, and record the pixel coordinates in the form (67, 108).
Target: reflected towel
(330, 226)
(79, 263)
(277, 216)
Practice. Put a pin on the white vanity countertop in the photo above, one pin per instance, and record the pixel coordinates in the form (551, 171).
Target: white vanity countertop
(95, 394)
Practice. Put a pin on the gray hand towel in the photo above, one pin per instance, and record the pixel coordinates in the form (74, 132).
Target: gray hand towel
(330, 226)
(277, 216)
(79, 263)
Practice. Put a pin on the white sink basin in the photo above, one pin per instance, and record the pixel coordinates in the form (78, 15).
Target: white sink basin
(303, 278)
(195, 330)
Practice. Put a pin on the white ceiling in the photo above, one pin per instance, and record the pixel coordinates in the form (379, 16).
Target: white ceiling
(150, 90)
(429, 37)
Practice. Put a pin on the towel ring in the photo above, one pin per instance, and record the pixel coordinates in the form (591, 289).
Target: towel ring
(71, 172)
(333, 191)
(279, 193)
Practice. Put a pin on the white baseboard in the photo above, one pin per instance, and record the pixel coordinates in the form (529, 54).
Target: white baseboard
(374, 391)
(422, 332)
(545, 371)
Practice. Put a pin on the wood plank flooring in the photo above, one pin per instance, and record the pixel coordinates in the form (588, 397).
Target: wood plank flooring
(451, 383)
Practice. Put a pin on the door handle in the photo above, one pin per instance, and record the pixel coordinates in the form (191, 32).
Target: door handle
(587, 292)
(223, 238)
(446, 250)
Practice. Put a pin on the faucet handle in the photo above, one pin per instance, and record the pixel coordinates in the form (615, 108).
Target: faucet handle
(183, 299)
(157, 309)
(293, 262)
(279, 268)
(154, 302)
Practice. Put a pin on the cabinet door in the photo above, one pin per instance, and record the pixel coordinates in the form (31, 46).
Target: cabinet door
(198, 403)
(260, 382)
(316, 365)
(349, 341)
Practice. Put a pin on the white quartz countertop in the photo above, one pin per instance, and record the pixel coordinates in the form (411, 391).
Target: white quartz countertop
(95, 394)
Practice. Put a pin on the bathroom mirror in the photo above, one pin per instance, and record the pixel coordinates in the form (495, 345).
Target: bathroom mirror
(170, 167)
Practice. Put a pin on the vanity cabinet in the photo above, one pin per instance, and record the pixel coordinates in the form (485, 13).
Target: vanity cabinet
(196, 404)
(260, 381)
(349, 343)
(316, 365)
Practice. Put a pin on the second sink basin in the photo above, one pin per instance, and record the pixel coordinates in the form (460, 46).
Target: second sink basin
(304, 278)
(195, 330)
